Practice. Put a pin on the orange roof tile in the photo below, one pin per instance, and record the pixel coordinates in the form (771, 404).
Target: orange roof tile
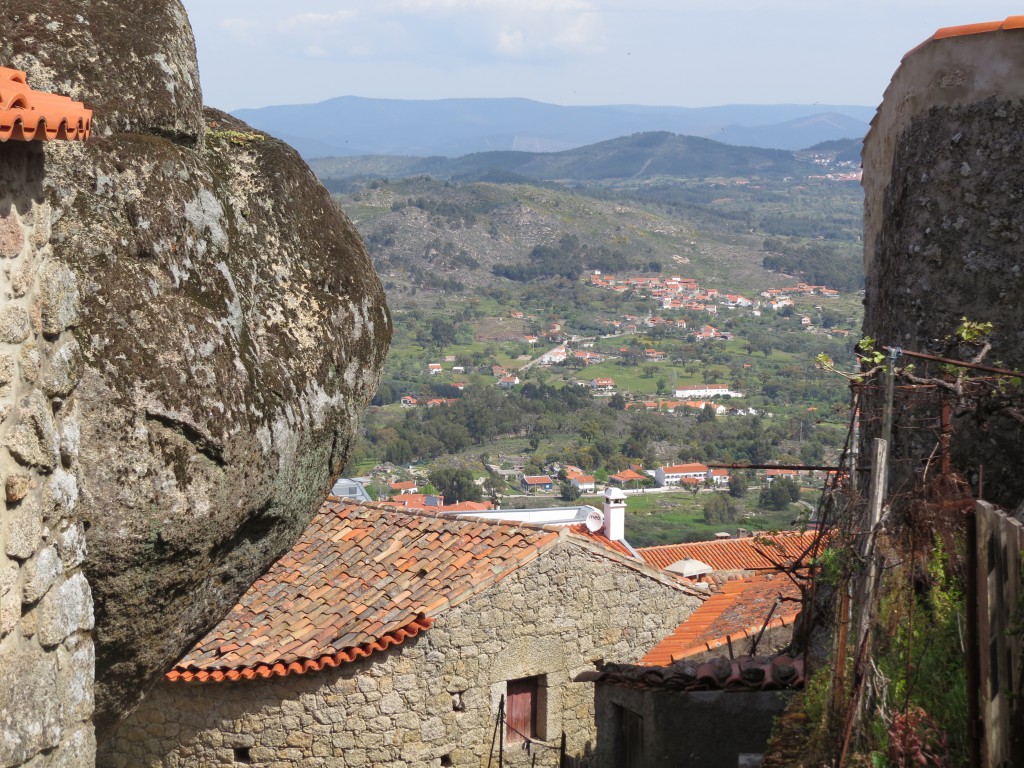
(579, 529)
(360, 579)
(628, 475)
(737, 610)
(747, 554)
(28, 115)
(1011, 22)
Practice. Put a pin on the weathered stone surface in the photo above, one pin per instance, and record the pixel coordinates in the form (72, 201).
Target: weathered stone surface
(65, 609)
(150, 86)
(70, 541)
(15, 325)
(943, 234)
(17, 485)
(229, 329)
(60, 302)
(8, 369)
(11, 236)
(40, 574)
(24, 529)
(33, 441)
(63, 370)
(30, 716)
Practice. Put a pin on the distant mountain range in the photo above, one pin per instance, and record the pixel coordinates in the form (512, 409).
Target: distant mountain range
(351, 125)
(637, 157)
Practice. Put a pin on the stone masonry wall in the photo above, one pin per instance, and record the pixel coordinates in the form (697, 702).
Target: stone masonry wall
(46, 610)
(433, 700)
(943, 230)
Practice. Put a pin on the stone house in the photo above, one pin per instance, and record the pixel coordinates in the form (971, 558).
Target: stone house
(388, 638)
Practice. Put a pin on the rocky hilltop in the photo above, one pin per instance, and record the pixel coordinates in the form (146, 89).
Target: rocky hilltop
(210, 331)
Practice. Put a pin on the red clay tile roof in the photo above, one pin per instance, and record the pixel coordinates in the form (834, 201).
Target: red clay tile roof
(747, 554)
(359, 579)
(579, 529)
(28, 115)
(737, 611)
(628, 475)
(747, 673)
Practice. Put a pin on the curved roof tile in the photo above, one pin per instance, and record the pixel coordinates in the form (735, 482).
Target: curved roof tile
(28, 115)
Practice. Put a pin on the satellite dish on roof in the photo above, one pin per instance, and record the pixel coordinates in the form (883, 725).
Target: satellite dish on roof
(595, 521)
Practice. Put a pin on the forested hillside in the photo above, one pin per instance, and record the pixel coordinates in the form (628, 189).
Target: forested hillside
(484, 277)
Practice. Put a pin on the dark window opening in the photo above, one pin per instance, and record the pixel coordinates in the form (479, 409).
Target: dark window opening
(446, 761)
(242, 755)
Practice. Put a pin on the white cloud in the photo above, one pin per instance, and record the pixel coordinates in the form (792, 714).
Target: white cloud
(319, 20)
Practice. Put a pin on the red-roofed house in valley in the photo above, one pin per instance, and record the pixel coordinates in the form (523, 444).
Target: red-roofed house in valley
(583, 483)
(404, 486)
(387, 638)
(674, 475)
(603, 385)
(537, 483)
(772, 474)
(629, 479)
(433, 368)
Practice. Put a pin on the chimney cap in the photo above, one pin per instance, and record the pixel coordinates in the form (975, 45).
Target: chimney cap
(612, 493)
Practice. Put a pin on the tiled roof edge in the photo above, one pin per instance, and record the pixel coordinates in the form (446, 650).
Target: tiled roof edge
(1010, 23)
(785, 620)
(30, 115)
(302, 666)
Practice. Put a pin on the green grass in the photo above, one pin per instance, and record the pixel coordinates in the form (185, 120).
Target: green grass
(673, 518)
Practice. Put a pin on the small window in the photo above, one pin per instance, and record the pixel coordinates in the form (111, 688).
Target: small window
(242, 755)
(525, 706)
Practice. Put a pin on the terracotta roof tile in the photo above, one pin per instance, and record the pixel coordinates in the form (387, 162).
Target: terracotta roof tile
(28, 115)
(750, 554)
(360, 579)
(737, 611)
(579, 529)
(746, 673)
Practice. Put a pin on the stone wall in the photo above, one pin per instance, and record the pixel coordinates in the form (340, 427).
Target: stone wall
(943, 229)
(433, 700)
(46, 610)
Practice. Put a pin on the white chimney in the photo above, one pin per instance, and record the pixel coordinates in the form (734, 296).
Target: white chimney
(614, 514)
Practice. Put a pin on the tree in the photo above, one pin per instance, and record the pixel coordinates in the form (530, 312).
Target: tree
(455, 484)
(617, 401)
(719, 508)
(568, 492)
(738, 486)
(779, 494)
(649, 371)
(707, 413)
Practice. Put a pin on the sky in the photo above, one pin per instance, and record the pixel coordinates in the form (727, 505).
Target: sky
(689, 53)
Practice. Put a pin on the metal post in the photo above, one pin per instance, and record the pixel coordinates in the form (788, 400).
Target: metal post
(501, 732)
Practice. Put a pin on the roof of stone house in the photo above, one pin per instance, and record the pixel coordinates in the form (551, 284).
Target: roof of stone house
(738, 610)
(28, 115)
(360, 579)
(580, 529)
(746, 673)
(751, 553)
